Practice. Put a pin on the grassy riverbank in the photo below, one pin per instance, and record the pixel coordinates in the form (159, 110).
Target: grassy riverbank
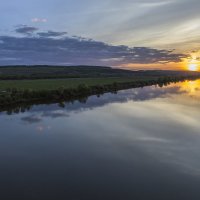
(58, 90)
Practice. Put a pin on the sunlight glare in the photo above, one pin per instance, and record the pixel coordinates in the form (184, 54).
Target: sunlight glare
(193, 63)
(193, 67)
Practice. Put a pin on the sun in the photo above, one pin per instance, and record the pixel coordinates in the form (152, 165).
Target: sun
(193, 64)
(193, 67)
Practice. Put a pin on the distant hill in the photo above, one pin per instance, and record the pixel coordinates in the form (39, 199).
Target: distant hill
(45, 72)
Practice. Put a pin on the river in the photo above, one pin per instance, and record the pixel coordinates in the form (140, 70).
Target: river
(141, 143)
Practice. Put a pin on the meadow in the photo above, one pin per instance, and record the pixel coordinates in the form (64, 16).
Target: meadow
(22, 84)
(52, 84)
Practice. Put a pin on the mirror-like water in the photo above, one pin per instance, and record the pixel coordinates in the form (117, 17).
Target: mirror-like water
(138, 144)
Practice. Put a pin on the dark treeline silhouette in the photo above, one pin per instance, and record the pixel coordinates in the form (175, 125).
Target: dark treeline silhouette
(48, 72)
(52, 72)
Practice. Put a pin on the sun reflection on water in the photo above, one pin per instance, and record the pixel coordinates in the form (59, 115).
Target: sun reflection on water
(191, 87)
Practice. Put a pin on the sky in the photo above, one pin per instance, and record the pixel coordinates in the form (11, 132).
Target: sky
(134, 34)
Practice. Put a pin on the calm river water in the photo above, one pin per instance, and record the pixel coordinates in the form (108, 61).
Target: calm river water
(137, 144)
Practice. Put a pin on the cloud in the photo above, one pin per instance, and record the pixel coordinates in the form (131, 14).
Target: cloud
(38, 20)
(161, 26)
(51, 34)
(152, 23)
(154, 4)
(27, 30)
(47, 48)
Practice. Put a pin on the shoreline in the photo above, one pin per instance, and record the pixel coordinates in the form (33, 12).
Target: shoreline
(19, 100)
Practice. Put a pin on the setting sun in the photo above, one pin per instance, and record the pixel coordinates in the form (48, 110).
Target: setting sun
(193, 64)
(193, 67)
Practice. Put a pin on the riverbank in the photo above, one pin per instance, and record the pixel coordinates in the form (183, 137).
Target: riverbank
(28, 92)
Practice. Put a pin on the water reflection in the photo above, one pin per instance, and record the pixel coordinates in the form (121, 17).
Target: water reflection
(138, 144)
(191, 87)
(64, 109)
(137, 94)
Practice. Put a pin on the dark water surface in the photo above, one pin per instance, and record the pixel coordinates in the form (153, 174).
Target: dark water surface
(137, 144)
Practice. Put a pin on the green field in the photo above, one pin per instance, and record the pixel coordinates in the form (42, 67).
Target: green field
(50, 84)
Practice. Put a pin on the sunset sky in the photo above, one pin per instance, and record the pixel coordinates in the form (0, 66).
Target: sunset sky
(135, 34)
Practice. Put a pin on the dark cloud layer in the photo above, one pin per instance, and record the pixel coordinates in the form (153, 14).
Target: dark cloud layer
(50, 48)
(27, 30)
(51, 34)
